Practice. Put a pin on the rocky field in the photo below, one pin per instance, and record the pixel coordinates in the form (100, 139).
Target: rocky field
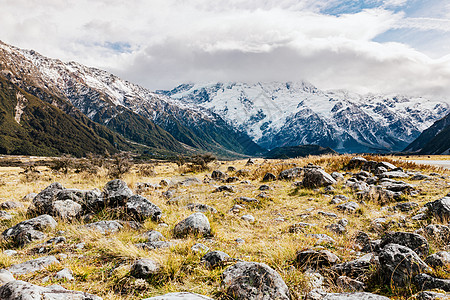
(329, 227)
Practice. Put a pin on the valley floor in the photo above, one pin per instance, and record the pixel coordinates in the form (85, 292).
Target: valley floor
(285, 219)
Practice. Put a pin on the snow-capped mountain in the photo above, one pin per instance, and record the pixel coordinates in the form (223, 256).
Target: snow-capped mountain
(288, 114)
(124, 107)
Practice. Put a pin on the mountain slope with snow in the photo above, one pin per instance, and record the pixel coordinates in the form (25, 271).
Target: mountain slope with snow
(133, 111)
(288, 114)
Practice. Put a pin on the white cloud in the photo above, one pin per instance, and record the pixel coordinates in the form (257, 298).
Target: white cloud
(161, 43)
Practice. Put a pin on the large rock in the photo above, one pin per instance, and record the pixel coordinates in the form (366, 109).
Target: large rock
(350, 206)
(57, 201)
(29, 230)
(315, 177)
(144, 267)
(413, 241)
(356, 162)
(218, 175)
(426, 282)
(141, 208)
(357, 268)
(214, 259)
(33, 265)
(66, 209)
(290, 174)
(117, 193)
(316, 259)
(399, 264)
(42, 203)
(439, 260)
(440, 209)
(21, 290)
(180, 296)
(196, 224)
(254, 281)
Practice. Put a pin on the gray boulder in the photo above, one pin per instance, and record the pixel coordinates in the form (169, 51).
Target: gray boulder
(440, 209)
(356, 162)
(290, 174)
(315, 177)
(349, 284)
(427, 295)
(105, 226)
(65, 274)
(218, 175)
(66, 210)
(11, 205)
(426, 282)
(180, 296)
(254, 281)
(393, 174)
(21, 290)
(350, 206)
(399, 264)
(316, 259)
(116, 193)
(224, 188)
(438, 260)
(32, 265)
(5, 276)
(247, 200)
(196, 224)
(413, 241)
(141, 208)
(357, 268)
(143, 268)
(42, 203)
(153, 236)
(200, 207)
(269, 177)
(29, 230)
(405, 207)
(215, 259)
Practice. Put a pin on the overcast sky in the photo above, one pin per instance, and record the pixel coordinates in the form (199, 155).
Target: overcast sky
(366, 45)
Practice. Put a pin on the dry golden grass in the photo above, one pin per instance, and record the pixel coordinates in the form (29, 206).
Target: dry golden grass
(103, 266)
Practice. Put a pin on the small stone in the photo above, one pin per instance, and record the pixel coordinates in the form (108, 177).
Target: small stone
(215, 259)
(199, 248)
(316, 259)
(348, 207)
(224, 188)
(248, 218)
(143, 268)
(10, 252)
(153, 236)
(33, 265)
(348, 284)
(65, 274)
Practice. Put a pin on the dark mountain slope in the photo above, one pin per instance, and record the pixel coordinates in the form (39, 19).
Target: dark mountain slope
(434, 140)
(31, 126)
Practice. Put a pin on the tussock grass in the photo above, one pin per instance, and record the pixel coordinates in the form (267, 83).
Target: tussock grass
(103, 266)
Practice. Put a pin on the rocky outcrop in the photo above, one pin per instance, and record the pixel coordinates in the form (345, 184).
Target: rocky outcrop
(254, 281)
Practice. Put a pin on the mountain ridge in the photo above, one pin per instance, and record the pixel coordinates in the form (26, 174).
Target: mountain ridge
(277, 114)
(113, 102)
